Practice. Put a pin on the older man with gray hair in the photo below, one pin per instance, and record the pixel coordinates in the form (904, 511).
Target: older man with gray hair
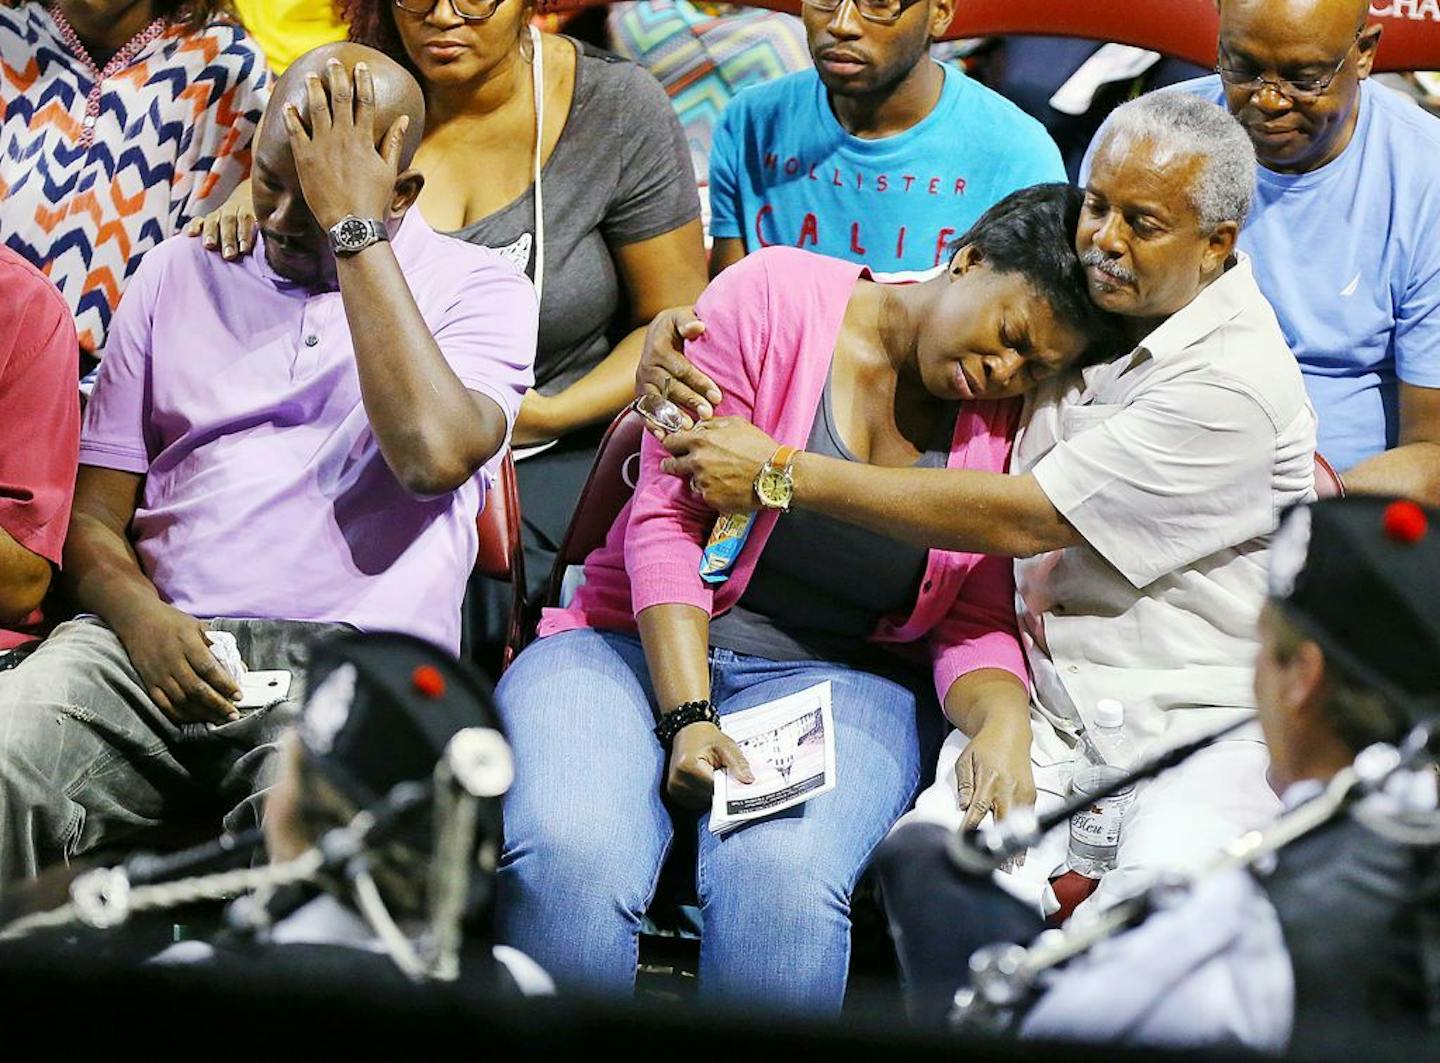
(1142, 495)
(1157, 478)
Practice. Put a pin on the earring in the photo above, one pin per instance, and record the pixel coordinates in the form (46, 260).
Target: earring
(527, 46)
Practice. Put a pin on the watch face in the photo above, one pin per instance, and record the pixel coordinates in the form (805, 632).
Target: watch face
(773, 488)
(352, 233)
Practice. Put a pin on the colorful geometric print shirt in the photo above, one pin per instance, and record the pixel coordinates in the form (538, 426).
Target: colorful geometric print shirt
(99, 166)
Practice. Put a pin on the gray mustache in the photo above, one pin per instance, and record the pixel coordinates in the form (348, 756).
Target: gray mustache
(1096, 258)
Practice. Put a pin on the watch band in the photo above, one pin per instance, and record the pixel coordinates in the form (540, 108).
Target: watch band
(343, 243)
(779, 465)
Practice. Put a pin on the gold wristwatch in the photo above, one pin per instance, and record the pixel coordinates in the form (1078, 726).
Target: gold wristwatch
(775, 482)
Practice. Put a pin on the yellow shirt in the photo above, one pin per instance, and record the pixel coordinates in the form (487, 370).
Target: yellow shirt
(287, 29)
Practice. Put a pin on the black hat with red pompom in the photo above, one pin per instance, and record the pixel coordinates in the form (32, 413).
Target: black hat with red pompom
(383, 709)
(1361, 575)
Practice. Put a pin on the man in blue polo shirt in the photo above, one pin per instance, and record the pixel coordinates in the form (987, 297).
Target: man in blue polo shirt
(1345, 230)
(879, 155)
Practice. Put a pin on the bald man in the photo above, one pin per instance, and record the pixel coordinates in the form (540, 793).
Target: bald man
(276, 448)
(1343, 230)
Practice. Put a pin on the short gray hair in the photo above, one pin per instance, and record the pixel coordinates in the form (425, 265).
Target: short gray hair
(1182, 125)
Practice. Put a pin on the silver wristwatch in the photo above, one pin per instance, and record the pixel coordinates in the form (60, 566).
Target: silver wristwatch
(351, 234)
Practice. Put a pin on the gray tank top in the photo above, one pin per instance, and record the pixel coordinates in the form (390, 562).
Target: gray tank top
(821, 586)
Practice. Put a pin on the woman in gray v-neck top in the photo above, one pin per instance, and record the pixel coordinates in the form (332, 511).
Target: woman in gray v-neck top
(621, 231)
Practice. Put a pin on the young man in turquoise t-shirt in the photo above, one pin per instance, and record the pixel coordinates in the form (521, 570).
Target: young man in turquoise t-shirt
(879, 155)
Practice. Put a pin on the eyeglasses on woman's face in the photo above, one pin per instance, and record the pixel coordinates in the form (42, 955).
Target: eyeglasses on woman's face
(469, 10)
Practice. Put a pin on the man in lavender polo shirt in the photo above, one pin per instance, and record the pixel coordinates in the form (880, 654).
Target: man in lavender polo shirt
(276, 447)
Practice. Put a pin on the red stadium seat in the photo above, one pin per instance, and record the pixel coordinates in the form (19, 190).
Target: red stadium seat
(1412, 34)
(607, 489)
(1327, 480)
(501, 556)
(1184, 29)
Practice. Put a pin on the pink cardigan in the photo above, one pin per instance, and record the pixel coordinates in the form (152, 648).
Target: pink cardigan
(771, 323)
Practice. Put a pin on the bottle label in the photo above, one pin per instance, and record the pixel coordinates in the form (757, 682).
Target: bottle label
(1098, 827)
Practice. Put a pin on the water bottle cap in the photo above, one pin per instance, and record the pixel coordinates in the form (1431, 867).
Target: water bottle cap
(1109, 713)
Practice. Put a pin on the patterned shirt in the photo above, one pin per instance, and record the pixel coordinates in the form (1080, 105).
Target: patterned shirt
(99, 166)
(704, 53)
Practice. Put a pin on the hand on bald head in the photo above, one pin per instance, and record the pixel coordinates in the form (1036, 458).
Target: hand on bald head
(396, 93)
(336, 141)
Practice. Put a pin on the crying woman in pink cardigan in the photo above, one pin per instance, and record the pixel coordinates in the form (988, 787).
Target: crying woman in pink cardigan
(822, 358)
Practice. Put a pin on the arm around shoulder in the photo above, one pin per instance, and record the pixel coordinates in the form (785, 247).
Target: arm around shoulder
(945, 509)
(669, 522)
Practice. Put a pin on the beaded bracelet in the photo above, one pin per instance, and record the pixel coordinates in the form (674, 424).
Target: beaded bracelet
(683, 716)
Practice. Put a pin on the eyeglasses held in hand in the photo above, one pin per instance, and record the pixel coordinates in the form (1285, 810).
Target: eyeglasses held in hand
(1301, 89)
(659, 413)
(882, 11)
(469, 10)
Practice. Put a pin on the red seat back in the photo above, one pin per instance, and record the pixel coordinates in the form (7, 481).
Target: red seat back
(499, 527)
(1184, 29)
(607, 489)
(1327, 480)
(501, 556)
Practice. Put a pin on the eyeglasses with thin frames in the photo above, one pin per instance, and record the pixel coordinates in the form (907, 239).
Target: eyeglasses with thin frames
(469, 10)
(884, 12)
(1305, 89)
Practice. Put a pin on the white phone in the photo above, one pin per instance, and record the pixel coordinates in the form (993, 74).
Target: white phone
(261, 689)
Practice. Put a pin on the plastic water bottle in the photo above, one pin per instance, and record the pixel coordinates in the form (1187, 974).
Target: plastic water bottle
(1105, 753)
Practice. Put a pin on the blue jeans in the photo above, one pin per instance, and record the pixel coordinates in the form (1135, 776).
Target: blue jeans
(587, 828)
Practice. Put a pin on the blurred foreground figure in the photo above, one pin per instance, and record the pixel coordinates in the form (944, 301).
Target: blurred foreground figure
(1333, 935)
(391, 722)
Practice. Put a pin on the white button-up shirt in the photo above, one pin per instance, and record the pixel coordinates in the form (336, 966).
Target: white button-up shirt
(1174, 463)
